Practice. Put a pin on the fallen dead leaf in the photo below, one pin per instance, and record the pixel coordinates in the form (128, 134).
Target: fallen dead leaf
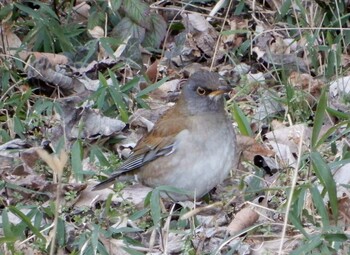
(243, 219)
(250, 148)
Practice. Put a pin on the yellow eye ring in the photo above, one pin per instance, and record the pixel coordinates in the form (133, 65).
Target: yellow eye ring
(201, 91)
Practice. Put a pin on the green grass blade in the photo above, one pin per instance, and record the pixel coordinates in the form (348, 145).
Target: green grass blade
(155, 207)
(76, 154)
(297, 224)
(152, 87)
(27, 221)
(324, 174)
(319, 118)
(310, 245)
(319, 204)
(117, 97)
(6, 225)
(242, 121)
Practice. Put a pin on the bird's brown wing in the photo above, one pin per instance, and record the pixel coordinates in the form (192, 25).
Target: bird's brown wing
(159, 142)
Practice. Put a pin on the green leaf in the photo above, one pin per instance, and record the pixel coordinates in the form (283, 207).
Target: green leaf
(310, 245)
(61, 232)
(137, 215)
(138, 11)
(285, 7)
(94, 238)
(132, 251)
(324, 174)
(156, 34)
(18, 127)
(172, 189)
(76, 159)
(335, 237)
(331, 132)
(6, 11)
(152, 87)
(338, 114)
(124, 230)
(240, 8)
(115, 5)
(105, 43)
(27, 221)
(297, 224)
(233, 32)
(130, 85)
(117, 97)
(127, 28)
(97, 152)
(155, 207)
(6, 225)
(242, 121)
(319, 204)
(319, 118)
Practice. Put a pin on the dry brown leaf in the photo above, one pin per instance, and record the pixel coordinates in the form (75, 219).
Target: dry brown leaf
(306, 82)
(344, 209)
(135, 194)
(290, 136)
(54, 59)
(81, 12)
(278, 46)
(113, 246)
(152, 71)
(97, 32)
(234, 39)
(243, 219)
(250, 148)
(10, 41)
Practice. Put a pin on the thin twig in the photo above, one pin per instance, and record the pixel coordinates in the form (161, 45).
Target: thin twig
(289, 201)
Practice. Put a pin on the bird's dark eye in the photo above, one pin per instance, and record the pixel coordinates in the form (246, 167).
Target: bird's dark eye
(201, 91)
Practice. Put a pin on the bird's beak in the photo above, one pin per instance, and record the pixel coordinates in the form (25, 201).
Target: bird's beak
(221, 90)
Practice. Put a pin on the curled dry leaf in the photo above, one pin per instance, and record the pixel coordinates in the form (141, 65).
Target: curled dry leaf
(43, 70)
(54, 59)
(195, 22)
(201, 35)
(279, 46)
(152, 71)
(10, 42)
(97, 32)
(243, 219)
(134, 194)
(247, 216)
(115, 246)
(339, 91)
(290, 136)
(344, 209)
(96, 125)
(250, 148)
(81, 12)
(235, 39)
(307, 83)
(145, 118)
(167, 92)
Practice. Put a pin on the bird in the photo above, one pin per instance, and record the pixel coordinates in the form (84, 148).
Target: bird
(191, 147)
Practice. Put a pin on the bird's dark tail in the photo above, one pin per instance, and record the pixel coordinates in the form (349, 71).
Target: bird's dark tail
(106, 183)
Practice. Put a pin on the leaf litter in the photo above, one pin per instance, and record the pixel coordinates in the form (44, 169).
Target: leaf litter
(227, 221)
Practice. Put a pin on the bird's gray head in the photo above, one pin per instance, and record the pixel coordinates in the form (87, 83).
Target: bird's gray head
(203, 92)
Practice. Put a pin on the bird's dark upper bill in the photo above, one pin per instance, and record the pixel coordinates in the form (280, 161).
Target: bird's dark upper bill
(221, 90)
